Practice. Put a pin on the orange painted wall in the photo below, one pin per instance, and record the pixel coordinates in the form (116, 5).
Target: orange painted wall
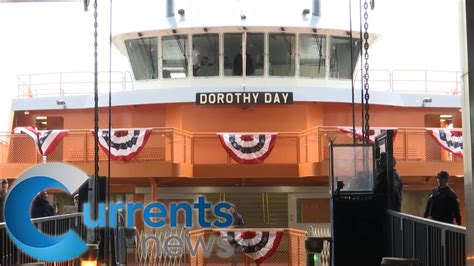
(173, 116)
(336, 114)
(282, 118)
(122, 117)
(278, 118)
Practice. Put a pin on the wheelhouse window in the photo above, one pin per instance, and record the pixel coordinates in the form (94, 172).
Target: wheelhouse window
(340, 57)
(255, 55)
(281, 54)
(175, 56)
(256, 52)
(205, 55)
(312, 54)
(143, 54)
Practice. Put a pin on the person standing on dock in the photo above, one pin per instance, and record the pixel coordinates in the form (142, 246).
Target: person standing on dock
(443, 203)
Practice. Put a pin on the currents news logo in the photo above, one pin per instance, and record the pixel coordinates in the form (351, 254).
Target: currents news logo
(17, 212)
(69, 245)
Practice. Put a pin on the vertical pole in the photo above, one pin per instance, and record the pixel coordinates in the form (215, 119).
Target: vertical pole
(109, 250)
(172, 145)
(316, 8)
(169, 8)
(244, 56)
(389, 152)
(306, 149)
(467, 68)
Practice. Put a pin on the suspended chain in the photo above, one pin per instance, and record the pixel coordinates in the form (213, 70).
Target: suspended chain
(366, 74)
(96, 123)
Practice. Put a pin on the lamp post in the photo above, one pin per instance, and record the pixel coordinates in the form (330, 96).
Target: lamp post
(89, 258)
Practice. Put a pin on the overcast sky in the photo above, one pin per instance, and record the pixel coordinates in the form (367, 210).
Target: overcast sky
(58, 37)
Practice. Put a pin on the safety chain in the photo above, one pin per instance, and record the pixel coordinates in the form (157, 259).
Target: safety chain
(96, 121)
(366, 74)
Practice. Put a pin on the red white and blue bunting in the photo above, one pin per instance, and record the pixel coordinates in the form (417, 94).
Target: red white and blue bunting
(248, 148)
(45, 140)
(258, 245)
(373, 132)
(448, 139)
(124, 143)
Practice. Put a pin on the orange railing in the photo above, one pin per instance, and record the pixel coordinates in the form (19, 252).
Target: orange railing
(291, 250)
(180, 146)
(151, 243)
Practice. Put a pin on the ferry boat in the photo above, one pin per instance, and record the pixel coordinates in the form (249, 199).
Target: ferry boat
(191, 105)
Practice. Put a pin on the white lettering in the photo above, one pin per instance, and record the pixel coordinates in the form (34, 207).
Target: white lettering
(246, 98)
(203, 98)
(238, 94)
(220, 98)
(255, 97)
(229, 98)
(276, 99)
(212, 98)
(268, 97)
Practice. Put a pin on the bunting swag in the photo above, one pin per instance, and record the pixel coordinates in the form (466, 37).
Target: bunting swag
(448, 139)
(258, 245)
(45, 140)
(124, 143)
(248, 148)
(374, 132)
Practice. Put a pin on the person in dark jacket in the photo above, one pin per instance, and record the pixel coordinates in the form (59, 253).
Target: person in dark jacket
(381, 182)
(443, 203)
(237, 65)
(41, 206)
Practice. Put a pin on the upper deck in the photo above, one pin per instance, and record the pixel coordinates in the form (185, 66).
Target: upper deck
(193, 47)
(404, 88)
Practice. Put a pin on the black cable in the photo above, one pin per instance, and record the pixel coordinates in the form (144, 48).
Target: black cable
(183, 51)
(352, 73)
(108, 181)
(361, 71)
(146, 50)
(320, 50)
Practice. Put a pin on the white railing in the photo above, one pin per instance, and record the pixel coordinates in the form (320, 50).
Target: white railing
(71, 83)
(413, 81)
(82, 83)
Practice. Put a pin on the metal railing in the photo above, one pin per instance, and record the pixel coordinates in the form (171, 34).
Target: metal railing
(291, 250)
(71, 83)
(323, 233)
(180, 146)
(77, 83)
(432, 242)
(54, 225)
(151, 244)
(414, 81)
